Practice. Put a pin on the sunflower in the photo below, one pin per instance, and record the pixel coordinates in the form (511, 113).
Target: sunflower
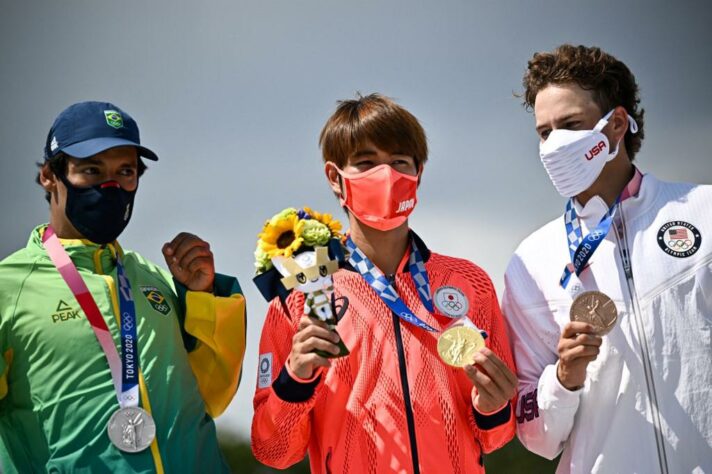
(327, 219)
(282, 236)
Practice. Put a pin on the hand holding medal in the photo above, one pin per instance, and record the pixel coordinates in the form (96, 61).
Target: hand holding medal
(462, 345)
(593, 315)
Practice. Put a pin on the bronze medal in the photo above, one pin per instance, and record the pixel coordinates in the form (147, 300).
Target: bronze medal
(596, 309)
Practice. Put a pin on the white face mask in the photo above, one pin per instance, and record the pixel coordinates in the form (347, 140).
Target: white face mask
(575, 158)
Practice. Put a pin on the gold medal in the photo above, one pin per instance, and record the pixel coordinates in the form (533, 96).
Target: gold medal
(596, 309)
(457, 346)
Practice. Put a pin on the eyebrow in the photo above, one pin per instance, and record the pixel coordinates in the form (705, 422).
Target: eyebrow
(361, 153)
(95, 162)
(88, 161)
(563, 119)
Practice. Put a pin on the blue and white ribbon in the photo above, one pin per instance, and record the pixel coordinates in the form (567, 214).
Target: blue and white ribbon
(385, 290)
(581, 248)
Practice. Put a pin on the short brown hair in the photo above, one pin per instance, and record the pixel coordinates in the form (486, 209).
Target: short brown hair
(372, 118)
(611, 82)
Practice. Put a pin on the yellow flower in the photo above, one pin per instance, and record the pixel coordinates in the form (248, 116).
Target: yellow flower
(327, 219)
(281, 236)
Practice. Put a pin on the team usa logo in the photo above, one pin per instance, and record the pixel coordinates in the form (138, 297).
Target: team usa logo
(528, 407)
(679, 239)
(451, 301)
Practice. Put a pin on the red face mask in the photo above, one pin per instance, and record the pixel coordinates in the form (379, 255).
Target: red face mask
(380, 197)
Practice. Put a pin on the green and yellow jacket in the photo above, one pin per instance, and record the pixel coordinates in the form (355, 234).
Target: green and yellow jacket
(56, 391)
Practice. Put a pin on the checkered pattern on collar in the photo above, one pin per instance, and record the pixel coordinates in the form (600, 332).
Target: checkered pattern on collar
(574, 234)
(385, 290)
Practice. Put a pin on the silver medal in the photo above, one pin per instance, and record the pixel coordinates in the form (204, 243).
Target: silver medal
(131, 429)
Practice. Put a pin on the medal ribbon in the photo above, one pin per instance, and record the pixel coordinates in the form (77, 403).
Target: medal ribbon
(384, 289)
(124, 371)
(581, 248)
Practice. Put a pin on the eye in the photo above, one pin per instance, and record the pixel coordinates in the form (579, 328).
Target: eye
(90, 170)
(544, 134)
(323, 271)
(301, 278)
(572, 125)
(363, 164)
(127, 172)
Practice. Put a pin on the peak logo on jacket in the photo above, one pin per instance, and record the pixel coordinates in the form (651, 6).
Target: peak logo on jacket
(64, 312)
(679, 239)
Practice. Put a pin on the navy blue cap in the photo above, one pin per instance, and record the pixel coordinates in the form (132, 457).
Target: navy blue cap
(87, 128)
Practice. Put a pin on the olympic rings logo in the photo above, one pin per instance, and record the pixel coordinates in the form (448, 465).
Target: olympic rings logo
(595, 235)
(680, 244)
(453, 305)
(126, 322)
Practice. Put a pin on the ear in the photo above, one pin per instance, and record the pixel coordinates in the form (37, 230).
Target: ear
(48, 180)
(334, 178)
(618, 124)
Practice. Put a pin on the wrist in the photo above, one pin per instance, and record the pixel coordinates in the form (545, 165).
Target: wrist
(490, 411)
(571, 387)
(302, 375)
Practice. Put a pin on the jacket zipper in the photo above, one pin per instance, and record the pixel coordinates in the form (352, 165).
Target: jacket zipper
(405, 387)
(621, 237)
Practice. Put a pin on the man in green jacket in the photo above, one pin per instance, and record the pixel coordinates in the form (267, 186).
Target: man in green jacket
(107, 362)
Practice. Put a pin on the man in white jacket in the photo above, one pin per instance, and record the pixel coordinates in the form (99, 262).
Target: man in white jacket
(610, 305)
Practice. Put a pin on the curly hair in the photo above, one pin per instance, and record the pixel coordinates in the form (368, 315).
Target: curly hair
(610, 81)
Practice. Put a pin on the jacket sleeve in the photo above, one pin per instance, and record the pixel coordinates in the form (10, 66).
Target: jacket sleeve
(217, 323)
(281, 426)
(495, 429)
(546, 410)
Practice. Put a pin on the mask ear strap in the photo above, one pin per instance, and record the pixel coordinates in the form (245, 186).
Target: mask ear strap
(342, 197)
(632, 124)
(603, 122)
(633, 127)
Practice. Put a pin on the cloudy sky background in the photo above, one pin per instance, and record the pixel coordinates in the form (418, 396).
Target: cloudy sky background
(232, 96)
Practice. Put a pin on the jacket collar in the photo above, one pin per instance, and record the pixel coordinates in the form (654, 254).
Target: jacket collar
(596, 207)
(420, 245)
(85, 254)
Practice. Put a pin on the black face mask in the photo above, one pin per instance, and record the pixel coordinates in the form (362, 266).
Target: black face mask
(100, 213)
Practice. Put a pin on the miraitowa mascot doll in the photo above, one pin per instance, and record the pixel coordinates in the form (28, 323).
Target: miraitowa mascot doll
(300, 250)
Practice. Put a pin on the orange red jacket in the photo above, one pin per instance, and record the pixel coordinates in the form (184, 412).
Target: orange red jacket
(391, 405)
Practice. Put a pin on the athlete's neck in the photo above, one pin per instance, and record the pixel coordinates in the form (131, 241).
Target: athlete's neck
(61, 225)
(384, 248)
(613, 179)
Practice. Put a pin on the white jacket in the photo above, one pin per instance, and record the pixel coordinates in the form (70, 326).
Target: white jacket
(646, 405)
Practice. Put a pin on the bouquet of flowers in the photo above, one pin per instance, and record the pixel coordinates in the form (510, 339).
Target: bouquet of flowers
(301, 249)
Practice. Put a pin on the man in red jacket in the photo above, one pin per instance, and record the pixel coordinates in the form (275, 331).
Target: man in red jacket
(392, 404)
